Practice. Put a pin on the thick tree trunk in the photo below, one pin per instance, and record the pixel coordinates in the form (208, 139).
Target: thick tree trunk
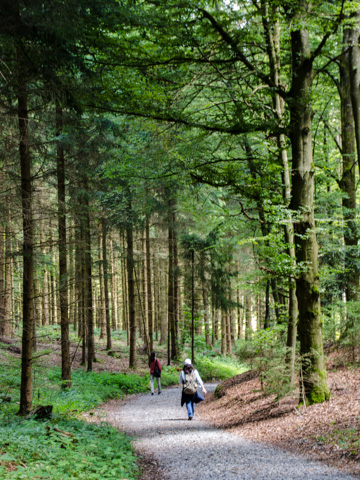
(307, 283)
(28, 255)
(63, 283)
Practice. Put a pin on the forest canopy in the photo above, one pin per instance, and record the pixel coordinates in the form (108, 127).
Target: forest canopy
(180, 168)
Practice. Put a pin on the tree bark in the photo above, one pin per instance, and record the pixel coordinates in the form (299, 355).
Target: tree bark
(8, 279)
(148, 282)
(131, 289)
(28, 254)
(307, 283)
(353, 56)
(106, 285)
(63, 283)
(88, 297)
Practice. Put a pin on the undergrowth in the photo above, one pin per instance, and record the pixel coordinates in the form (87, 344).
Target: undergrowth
(348, 439)
(218, 368)
(64, 449)
(64, 446)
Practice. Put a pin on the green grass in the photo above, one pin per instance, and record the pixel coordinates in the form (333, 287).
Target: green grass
(218, 368)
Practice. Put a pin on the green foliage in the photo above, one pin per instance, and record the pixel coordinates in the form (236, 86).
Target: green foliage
(90, 389)
(348, 439)
(64, 449)
(266, 353)
(169, 376)
(218, 368)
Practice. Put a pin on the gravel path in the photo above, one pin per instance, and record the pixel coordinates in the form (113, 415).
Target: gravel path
(194, 450)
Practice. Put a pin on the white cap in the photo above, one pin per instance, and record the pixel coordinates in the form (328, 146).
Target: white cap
(187, 361)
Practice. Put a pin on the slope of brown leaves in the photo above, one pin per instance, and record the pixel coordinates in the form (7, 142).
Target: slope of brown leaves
(242, 408)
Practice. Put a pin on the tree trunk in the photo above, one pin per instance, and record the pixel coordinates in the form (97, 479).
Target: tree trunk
(171, 294)
(106, 285)
(348, 182)
(353, 56)
(131, 291)
(28, 248)
(223, 333)
(2, 281)
(88, 297)
(248, 326)
(148, 282)
(8, 279)
(307, 283)
(63, 283)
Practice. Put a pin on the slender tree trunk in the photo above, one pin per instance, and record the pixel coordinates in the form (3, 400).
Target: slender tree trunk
(353, 57)
(239, 318)
(176, 303)
(223, 333)
(63, 283)
(2, 281)
(106, 285)
(8, 279)
(171, 293)
(307, 283)
(99, 299)
(148, 282)
(248, 326)
(28, 249)
(88, 297)
(228, 333)
(192, 305)
(131, 291)
(272, 31)
(114, 321)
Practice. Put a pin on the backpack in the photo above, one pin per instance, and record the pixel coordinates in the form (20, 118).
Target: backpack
(190, 386)
(157, 371)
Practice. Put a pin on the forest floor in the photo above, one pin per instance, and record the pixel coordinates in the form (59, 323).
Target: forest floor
(329, 432)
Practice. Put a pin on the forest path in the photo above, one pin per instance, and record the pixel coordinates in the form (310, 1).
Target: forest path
(194, 450)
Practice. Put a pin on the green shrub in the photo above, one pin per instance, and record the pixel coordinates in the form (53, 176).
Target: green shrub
(267, 353)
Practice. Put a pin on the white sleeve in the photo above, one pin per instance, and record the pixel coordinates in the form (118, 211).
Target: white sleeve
(181, 378)
(197, 377)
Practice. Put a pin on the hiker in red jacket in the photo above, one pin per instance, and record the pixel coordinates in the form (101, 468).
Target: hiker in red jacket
(155, 372)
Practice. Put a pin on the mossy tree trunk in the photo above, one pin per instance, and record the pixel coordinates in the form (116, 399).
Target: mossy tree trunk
(307, 283)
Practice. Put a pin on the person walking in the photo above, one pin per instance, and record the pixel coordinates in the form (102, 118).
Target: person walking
(155, 372)
(190, 379)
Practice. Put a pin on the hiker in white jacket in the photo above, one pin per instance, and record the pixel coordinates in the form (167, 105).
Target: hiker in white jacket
(190, 379)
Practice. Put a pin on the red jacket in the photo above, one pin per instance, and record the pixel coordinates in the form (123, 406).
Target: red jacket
(152, 365)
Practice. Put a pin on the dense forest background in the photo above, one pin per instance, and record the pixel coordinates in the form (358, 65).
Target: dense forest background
(178, 170)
